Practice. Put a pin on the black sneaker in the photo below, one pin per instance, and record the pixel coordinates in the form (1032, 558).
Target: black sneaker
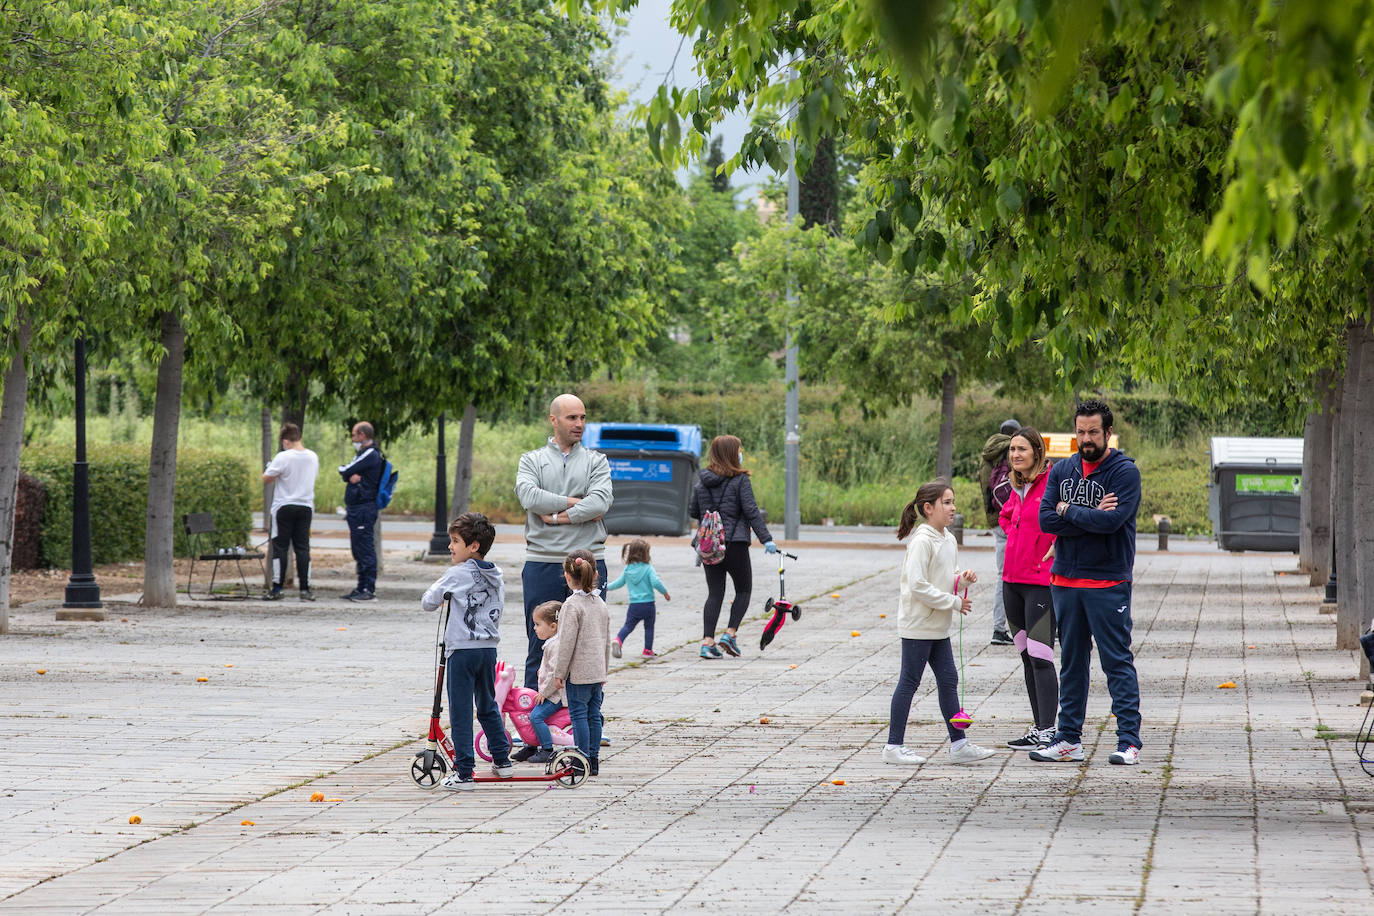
(595, 763)
(1026, 742)
(525, 753)
(307, 595)
(1002, 638)
(536, 756)
(350, 596)
(361, 595)
(274, 594)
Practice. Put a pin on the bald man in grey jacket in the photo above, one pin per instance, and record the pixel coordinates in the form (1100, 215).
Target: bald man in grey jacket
(566, 490)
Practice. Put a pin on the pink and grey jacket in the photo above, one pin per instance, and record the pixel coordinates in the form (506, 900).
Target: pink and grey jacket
(1026, 543)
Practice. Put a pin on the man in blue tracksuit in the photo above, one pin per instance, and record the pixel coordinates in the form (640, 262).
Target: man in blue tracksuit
(1090, 504)
(364, 476)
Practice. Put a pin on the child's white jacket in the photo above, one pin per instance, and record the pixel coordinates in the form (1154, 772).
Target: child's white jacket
(928, 603)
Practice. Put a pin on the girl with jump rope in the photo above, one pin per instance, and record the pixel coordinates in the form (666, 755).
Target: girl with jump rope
(925, 610)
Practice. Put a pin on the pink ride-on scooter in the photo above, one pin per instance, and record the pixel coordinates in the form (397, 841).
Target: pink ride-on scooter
(516, 703)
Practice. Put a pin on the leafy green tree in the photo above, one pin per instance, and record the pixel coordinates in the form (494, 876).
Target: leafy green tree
(70, 138)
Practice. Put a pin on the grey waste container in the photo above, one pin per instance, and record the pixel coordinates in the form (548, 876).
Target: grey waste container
(1256, 493)
(653, 467)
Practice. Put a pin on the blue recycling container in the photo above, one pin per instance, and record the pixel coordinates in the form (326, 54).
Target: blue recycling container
(653, 468)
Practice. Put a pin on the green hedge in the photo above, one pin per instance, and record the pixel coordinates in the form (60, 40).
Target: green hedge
(207, 481)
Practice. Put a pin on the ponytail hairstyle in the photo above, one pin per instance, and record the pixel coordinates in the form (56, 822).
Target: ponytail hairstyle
(637, 551)
(1037, 444)
(548, 612)
(927, 493)
(580, 566)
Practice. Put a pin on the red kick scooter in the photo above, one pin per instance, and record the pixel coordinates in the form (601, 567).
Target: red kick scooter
(780, 608)
(568, 768)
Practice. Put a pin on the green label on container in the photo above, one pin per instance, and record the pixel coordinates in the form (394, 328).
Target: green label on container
(1270, 484)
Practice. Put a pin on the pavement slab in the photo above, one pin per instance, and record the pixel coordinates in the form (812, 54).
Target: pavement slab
(1240, 804)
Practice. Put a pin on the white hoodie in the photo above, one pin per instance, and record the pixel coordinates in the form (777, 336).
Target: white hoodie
(928, 602)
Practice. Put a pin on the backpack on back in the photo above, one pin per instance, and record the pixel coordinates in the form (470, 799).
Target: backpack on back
(710, 539)
(386, 486)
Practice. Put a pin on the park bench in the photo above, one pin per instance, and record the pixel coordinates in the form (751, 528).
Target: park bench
(207, 545)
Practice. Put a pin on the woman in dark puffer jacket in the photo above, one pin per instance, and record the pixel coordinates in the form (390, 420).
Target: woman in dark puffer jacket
(723, 486)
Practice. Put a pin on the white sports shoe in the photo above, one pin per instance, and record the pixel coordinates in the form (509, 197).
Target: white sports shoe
(1059, 752)
(1129, 757)
(968, 752)
(901, 754)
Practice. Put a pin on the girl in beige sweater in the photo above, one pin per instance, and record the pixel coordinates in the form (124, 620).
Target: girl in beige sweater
(584, 653)
(925, 611)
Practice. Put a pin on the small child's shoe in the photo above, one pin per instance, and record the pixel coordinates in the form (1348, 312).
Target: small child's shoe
(524, 754)
(615, 648)
(543, 755)
(648, 653)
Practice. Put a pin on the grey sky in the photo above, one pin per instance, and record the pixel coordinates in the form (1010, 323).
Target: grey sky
(645, 53)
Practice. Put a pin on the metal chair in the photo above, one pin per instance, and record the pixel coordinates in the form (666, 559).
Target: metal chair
(200, 532)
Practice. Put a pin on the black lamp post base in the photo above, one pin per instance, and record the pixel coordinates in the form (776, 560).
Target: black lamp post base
(83, 596)
(438, 546)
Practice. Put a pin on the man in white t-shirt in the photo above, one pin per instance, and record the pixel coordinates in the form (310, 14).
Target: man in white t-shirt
(293, 472)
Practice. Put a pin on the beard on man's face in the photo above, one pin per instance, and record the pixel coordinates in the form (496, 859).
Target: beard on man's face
(1091, 451)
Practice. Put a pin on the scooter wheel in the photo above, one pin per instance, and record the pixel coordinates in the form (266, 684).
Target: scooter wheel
(768, 606)
(569, 759)
(796, 613)
(428, 778)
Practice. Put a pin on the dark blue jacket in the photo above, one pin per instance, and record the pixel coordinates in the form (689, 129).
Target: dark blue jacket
(1092, 544)
(367, 465)
(733, 498)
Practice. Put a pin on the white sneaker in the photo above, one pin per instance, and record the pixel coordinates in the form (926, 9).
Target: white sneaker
(503, 772)
(968, 752)
(460, 783)
(1059, 752)
(1129, 757)
(901, 754)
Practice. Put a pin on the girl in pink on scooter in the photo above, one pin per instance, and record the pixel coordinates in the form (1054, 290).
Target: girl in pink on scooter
(549, 699)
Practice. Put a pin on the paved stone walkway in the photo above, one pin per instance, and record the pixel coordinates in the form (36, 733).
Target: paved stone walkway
(1240, 805)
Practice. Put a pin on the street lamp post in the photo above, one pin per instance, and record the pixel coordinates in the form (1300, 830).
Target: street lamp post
(82, 598)
(438, 542)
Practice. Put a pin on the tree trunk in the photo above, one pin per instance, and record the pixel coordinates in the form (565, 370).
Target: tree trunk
(1319, 490)
(944, 465)
(11, 444)
(1315, 506)
(462, 467)
(1353, 608)
(1343, 486)
(159, 581)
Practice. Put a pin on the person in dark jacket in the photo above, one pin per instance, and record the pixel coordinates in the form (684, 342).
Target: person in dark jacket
(723, 486)
(364, 476)
(1089, 505)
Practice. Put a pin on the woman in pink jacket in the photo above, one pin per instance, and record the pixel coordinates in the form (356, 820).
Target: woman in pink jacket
(1026, 584)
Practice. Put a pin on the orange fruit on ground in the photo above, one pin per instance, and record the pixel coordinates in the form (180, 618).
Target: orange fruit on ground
(1227, 685)
(853, 632)
(247, 823)
(317, 797)
(201, 680)
(837, 782)
(763, 720)
(135, 819)
(42, 670)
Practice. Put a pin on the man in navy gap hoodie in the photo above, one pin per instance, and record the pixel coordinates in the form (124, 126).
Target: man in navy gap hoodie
(1090, 504)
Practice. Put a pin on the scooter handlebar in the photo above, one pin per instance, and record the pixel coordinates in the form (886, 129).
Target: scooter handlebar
(790, 556)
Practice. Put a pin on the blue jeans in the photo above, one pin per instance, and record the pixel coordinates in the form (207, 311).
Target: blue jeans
(916, 654)
(544, 582)
(1103, 616)
(361, 519)
(472, 682)
(584, 706)
(538, 715)
(639, 610)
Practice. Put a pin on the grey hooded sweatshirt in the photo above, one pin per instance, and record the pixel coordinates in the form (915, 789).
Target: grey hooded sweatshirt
(479, 596)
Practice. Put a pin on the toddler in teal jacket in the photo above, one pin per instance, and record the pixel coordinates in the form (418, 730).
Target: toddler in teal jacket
(642, 581)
